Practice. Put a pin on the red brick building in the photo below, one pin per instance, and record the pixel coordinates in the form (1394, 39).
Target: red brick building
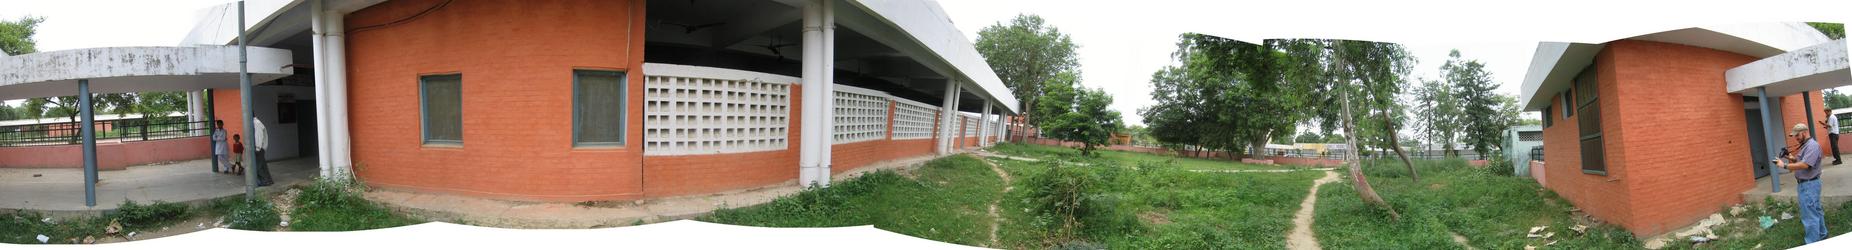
(1655, 132)
(621, 99)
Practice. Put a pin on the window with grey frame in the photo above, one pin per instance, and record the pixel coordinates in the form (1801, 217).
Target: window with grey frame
(441, 102)
(1546, 116)
(598, 107)
(1588, 122)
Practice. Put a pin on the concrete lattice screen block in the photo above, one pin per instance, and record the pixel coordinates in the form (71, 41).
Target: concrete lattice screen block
(913, 120)
(971, 122)
(861, 115)
(691, 115)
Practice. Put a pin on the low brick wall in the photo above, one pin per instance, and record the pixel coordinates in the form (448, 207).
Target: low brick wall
(1536, 172)
(109, 156)
(1280, 160)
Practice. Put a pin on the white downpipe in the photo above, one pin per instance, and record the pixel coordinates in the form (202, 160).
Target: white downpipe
(338, 132)
(947, 113)
(322, 148)
(983, 126)
(811, 125)
(829, 93)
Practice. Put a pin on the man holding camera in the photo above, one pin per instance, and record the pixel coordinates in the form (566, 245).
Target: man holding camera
(1805, 162)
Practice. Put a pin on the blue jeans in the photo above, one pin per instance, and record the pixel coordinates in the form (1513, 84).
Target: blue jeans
(1812, 217)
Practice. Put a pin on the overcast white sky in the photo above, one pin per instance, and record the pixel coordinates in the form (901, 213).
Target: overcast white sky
(1120, 56)
(1123, 42)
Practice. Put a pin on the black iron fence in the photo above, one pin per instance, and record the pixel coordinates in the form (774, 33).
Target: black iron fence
(131, 129)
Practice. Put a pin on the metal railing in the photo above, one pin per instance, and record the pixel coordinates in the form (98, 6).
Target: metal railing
(132, 129)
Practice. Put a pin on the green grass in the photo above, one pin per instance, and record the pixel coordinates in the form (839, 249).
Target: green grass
(1127, 158)
(1173, 208)
(947, 202)
(1147, 201)
(1746, 234)
(23, 227)
(1490, 211)
(330, 206)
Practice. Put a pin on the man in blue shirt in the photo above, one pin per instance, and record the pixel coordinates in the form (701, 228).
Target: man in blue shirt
(1805, 162)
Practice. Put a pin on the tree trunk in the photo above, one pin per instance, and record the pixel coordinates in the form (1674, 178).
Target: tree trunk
(1350, 157)
(1396, 145)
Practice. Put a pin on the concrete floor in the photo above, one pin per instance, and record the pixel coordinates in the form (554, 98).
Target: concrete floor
(61, 190)
(1835, 187)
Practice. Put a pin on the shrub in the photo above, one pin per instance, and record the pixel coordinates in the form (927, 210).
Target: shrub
(1501, 167)
(1068, 201)
(136, 217)
(334, 206)
(255, 215)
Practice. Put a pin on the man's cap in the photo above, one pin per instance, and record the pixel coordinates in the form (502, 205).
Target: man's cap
(1798, 129)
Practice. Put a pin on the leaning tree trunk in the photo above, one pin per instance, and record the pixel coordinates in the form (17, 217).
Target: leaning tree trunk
(1396, 145)
(1350, 157)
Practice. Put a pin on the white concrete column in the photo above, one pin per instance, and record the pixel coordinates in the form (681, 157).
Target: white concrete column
(1003, 127)
(814, 90)
(983, 126)
(948, 118)
(338, 133)
(316, 35)
(193, 112)
(829, 90)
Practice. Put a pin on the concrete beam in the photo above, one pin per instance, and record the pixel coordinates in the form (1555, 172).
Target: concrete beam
(1812, 68)
(134, 69)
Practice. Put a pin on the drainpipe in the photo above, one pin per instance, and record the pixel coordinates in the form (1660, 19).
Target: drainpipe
(317, 33)
(89, 131)
(1775, 143)
(827, 148)
(811, 124)
(244, 97)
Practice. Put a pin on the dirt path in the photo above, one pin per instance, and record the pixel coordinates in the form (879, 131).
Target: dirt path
(996, 218)
(1301, 236)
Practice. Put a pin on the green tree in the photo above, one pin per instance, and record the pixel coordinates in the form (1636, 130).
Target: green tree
(1344, 74)
(1482, 121)
(16, 35)
(1440, 113)
(1836, 100)
(1057, 98)
(1026, 53)
(7, 113)
(1224, 95)
(62, 106)
(1091, 122)
(1833, 31)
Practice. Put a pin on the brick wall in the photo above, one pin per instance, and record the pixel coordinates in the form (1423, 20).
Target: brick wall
(516, 58)
(109, 155)
(1654, 98)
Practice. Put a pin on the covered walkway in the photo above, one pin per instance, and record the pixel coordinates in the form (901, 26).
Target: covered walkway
(58, 190)
(87, 72)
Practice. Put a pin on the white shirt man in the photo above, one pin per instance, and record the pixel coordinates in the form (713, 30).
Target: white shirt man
(260, 139)
(1832, 136)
